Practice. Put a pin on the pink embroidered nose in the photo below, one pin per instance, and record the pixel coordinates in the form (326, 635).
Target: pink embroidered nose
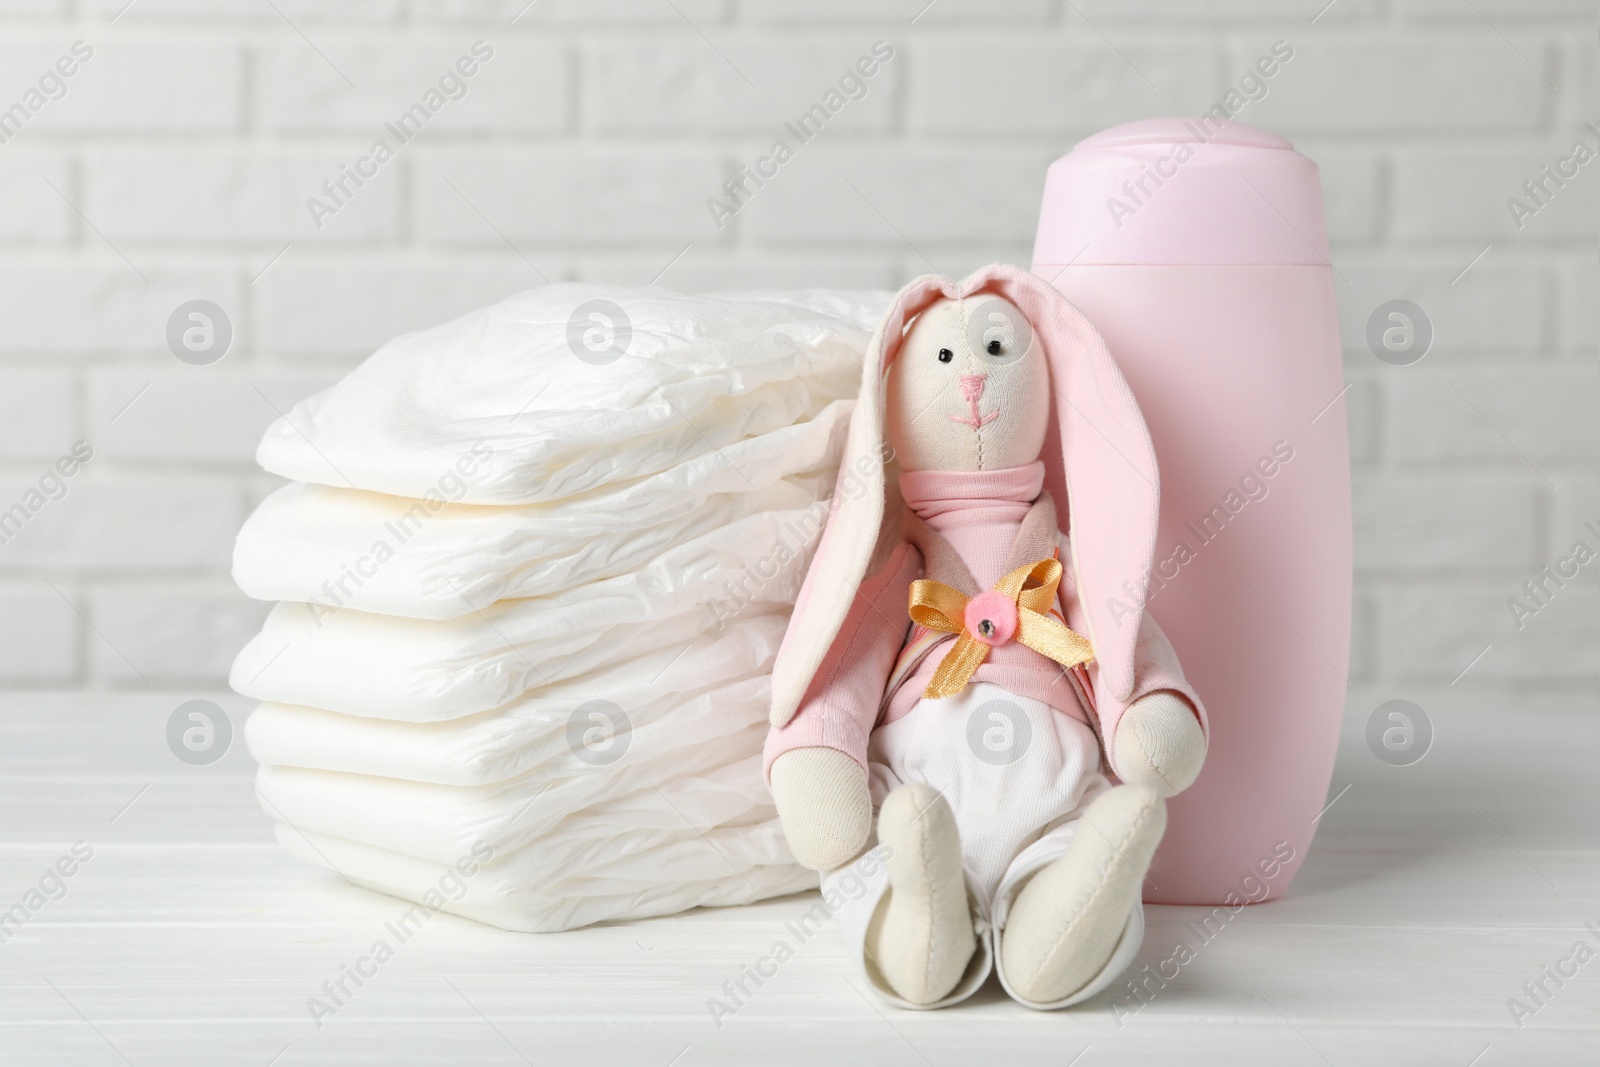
(971, 390)
(991, 618)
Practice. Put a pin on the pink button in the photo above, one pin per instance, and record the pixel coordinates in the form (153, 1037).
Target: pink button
(991, 618)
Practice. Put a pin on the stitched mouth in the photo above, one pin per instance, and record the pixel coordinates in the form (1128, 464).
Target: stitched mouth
(972, 391)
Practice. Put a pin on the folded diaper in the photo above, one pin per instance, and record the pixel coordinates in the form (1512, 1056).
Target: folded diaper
(698, 830)
(519, 384)
(513, 892)
(388, 554)
(419, 670)
(711, 686)
(705, 788)
(531, 585)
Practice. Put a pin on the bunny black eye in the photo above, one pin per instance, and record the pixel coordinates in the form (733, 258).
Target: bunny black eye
(945, 355)
(994, 348)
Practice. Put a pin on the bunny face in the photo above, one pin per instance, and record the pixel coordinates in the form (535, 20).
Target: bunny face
(969, 389)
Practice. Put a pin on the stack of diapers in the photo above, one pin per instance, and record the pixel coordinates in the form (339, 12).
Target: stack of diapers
(533, 569)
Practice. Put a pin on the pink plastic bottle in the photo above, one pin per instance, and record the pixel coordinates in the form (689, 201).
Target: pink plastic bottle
(1200, 253)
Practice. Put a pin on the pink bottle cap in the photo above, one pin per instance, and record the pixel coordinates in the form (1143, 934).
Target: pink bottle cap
(1181, 191)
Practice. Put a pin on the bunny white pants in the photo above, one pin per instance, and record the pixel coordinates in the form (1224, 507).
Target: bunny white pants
(1016, 773)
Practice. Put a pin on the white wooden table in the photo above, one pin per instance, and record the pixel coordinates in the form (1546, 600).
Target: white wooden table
(190, 937)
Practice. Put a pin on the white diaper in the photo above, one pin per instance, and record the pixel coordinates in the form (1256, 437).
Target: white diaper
(1016, 773)
(567, 388)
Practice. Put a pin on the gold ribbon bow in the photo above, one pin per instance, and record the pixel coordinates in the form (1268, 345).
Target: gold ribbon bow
(1020, 603)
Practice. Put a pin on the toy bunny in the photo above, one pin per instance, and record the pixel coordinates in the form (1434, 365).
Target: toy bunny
(957, 663)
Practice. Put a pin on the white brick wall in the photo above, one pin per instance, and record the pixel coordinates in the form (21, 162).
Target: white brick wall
(178, 163)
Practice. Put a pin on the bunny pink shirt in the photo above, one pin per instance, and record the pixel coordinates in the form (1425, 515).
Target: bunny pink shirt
(979, 513)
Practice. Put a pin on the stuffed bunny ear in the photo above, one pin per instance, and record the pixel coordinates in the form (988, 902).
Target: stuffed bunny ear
(1100, 460)
(855, 516)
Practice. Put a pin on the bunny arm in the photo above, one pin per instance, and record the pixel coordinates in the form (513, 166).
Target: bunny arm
(841, 706)
(816, 766)
(1159, 737)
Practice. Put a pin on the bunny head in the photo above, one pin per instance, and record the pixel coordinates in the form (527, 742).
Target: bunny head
(969, 390)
